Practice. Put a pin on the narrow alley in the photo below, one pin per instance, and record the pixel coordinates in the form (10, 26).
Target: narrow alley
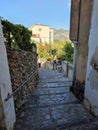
(53, 107)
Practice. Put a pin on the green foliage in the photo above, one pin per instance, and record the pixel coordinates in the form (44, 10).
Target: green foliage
(68, 52)
(33, 44)
(58, 46)
(61, 50)
(22, 37)
(17, 36)
(50, 51)
(8, 32)
(44, 51)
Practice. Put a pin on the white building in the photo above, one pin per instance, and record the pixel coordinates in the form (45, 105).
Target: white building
(42, 33)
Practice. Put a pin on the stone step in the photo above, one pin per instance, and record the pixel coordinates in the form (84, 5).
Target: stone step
(53, 107)
(92, 125)
(51, 90)
(54, 84)
(46, 100)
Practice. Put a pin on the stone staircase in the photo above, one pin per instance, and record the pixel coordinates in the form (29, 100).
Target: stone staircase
(53, 107)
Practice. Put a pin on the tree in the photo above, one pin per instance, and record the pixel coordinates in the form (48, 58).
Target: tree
(43, 51)
(17, 36)
(50, 51)
(22, 37)
(68, 52)
(8, 30)
(58, 46)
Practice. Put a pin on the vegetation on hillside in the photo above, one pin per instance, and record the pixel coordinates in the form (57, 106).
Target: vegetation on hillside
(17, 36)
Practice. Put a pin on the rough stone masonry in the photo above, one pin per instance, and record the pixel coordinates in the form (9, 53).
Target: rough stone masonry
(22, 64)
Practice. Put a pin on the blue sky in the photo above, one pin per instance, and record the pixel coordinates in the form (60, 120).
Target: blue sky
(55, 13)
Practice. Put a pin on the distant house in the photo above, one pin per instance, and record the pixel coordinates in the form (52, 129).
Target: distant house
(42, 33)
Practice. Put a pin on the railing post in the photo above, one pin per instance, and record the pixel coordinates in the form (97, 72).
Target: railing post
(67, 69)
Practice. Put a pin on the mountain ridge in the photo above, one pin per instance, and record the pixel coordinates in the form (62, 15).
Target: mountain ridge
(61, 34)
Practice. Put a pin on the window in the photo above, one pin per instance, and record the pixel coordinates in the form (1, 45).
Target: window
(40, 29)
(40, 40)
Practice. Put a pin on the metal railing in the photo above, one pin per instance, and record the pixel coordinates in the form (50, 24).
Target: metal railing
(20, 86)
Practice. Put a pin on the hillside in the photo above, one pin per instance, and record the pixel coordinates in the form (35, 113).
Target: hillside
(61, 35)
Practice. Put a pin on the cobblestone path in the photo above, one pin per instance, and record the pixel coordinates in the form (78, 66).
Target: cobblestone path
(53, 107)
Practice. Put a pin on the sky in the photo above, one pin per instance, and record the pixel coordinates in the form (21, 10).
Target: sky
(55, 13)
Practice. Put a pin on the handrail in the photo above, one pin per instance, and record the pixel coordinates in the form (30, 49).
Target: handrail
(10, 95)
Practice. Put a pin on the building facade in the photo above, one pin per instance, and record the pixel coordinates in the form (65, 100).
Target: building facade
(83, 33)
(41, 33)
(91, 86)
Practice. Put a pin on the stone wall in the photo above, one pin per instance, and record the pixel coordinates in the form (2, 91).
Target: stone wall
(48, 65)
(22, 64)
(67, 69)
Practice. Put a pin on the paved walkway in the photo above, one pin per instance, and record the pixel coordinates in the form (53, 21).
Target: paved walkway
(53, 107)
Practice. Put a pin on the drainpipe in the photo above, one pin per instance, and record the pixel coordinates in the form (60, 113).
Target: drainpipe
(75, 61)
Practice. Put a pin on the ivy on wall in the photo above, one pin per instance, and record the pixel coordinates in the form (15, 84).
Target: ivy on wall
(17, 36)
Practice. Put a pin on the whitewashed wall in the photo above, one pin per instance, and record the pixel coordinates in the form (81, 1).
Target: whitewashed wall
(91, 87)
(5, 88)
